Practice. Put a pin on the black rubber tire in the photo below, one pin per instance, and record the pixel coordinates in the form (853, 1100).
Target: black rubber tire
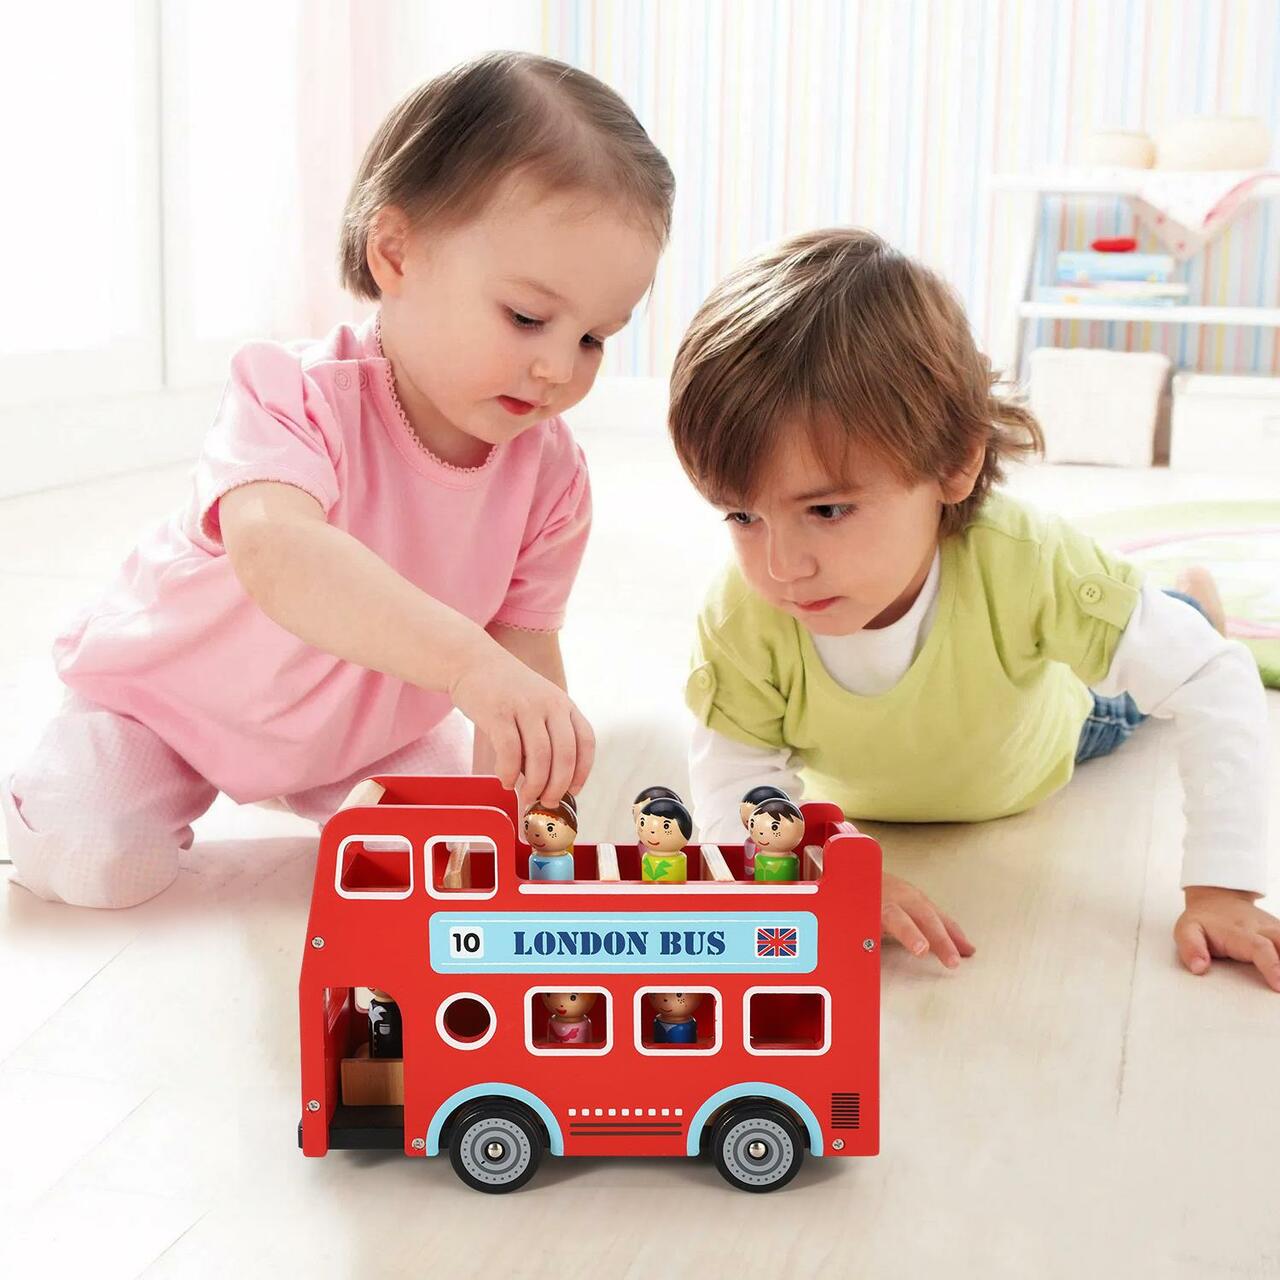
(513, 1129)
(775, 1130)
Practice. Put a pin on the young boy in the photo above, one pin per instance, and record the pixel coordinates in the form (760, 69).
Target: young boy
(899, 639)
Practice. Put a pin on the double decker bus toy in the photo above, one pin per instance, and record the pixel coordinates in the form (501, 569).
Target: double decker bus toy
(600, 1015)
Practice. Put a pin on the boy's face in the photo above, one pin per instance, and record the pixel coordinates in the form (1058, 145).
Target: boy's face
(660, 835)
(839, 548)
(775, 835)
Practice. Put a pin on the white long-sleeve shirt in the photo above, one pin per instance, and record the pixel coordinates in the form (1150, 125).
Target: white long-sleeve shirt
(1169, 660)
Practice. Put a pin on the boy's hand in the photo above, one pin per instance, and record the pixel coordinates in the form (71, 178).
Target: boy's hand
(1225, 923)
(907, 915)
(534, 728)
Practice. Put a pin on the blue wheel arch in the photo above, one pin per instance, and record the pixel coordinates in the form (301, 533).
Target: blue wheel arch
(754, 1089)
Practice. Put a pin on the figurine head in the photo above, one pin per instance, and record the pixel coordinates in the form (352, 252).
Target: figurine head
(552, 829)
(776, 826)
(568, 1006)
(664, 827)
(651, 793)
(756, 797)
(674, 1006)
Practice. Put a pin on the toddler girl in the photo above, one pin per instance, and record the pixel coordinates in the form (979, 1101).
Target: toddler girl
(385, 524)
(900, 639)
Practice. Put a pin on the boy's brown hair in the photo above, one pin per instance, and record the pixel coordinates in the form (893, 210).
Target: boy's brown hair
(837, 332)
(444, 150)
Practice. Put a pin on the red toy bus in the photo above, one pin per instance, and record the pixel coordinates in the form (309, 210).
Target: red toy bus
(421, 893)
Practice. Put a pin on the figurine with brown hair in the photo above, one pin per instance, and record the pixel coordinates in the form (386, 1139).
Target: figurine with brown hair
(674, 1021)
(551, 831)
(569, 1023)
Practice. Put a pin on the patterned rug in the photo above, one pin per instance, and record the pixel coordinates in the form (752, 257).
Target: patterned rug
(1239, 542)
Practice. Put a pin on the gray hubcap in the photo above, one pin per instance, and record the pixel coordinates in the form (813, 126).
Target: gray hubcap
(757, 1151)
(495, 1150)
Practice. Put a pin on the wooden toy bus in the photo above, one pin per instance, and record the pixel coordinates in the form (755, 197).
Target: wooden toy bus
(421, 892)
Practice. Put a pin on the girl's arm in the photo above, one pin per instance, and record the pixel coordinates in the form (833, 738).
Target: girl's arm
(332, 592)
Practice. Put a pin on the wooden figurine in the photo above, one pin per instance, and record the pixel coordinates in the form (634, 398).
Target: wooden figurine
(756, 796)
(674, 1022)
(777, 829)
(569, 1023)
(663, 830)
(386, 1027)
(551, 832)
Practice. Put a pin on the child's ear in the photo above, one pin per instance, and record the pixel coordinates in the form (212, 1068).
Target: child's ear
(959, 484)
(385, 248)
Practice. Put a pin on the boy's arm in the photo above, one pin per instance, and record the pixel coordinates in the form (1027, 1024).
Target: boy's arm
(722, 771)
(1175, 666)
(334, 593)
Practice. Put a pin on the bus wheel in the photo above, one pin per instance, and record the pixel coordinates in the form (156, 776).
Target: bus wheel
(757, 1148)
(495, 1147)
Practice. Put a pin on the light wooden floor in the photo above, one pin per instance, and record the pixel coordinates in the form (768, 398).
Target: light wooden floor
(1069, 1103)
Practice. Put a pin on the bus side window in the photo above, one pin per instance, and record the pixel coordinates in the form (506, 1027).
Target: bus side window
(677, 1020)
(786, 1020)
(568, 1021)
(462, 867)
(374, 867)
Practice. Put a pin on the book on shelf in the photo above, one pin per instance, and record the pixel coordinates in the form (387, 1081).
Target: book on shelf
(1076, 266)
(1136, 294)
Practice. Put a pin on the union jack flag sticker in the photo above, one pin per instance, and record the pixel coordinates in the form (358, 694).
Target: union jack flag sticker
(775, 944)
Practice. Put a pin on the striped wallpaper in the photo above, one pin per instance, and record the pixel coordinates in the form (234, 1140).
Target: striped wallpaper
(779, 115)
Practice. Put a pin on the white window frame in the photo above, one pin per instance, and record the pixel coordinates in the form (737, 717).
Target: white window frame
(569, 1051)
(457, 895)
(780, 991)
(365, 894)
(464, 1045)
(642, 1015)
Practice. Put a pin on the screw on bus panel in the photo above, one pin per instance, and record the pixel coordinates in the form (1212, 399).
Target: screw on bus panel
(868, 944)
(837, 1144)
(419, 1144)
(313, 1105)
(317, 942)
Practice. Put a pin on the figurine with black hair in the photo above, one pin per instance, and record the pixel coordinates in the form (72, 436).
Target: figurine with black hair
(756, 796)
(663, 829)
(777, 829)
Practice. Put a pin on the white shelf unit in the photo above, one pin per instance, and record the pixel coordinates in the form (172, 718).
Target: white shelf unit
(1028, 194)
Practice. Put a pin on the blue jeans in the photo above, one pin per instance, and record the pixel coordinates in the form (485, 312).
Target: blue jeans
(1114, 719)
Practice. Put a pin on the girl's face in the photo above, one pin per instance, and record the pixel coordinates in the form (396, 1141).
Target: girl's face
(501, 322)
(839, 554)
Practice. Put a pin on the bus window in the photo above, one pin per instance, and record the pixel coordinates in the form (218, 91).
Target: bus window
(374, 867)
(466, 1020)
(462, 867)
(578, 1021)
(670, 1020)
(786, 1020)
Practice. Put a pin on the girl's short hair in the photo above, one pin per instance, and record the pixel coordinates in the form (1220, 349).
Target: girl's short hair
(444, 150)
(778, 808)
(672, 810)
(839, 333)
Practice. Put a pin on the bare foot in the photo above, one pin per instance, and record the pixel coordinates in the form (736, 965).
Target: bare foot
(1197, 582)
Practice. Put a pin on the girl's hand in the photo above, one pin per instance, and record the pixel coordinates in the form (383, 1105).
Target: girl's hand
(907, 915)
(1225, 923)
(537, 734)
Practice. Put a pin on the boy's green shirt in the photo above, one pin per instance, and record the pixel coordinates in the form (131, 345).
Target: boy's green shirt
(987, 718)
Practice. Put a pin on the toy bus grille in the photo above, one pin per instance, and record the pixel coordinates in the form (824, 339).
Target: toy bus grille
(845, 1109)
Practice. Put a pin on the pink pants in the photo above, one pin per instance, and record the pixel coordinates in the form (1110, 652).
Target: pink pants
(99, 814)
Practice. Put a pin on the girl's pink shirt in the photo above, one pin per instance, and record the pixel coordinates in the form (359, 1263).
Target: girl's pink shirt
(176, 642)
